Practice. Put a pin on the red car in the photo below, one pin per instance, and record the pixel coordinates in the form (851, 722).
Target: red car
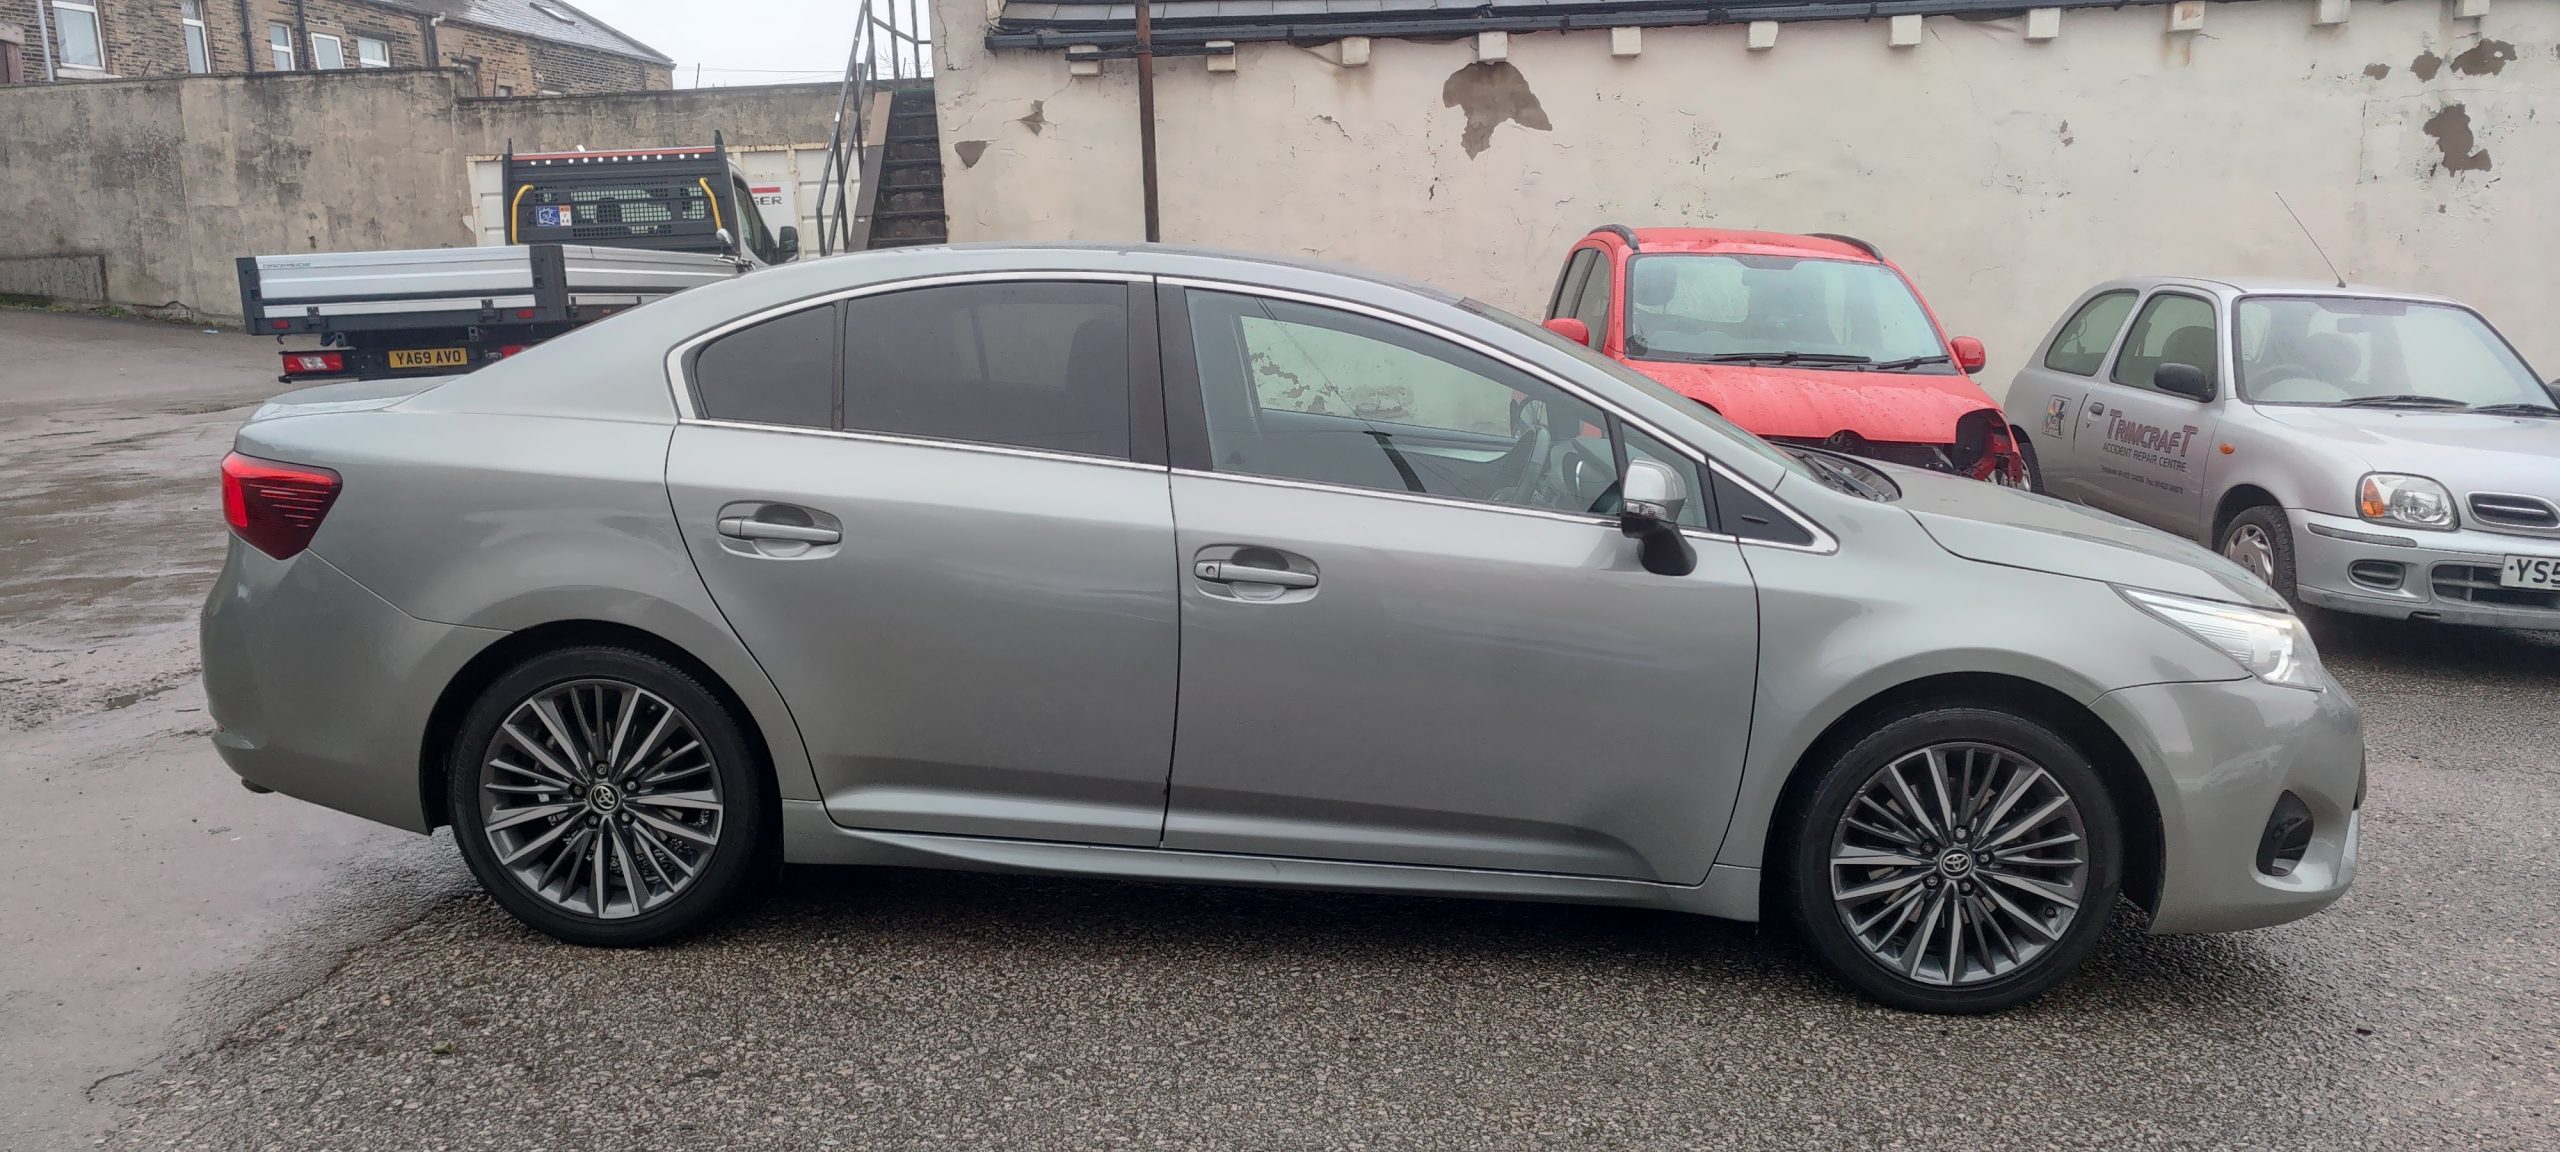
(1816, 340)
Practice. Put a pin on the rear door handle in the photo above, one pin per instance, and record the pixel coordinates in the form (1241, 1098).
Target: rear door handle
(748, 528)
(1230, 572)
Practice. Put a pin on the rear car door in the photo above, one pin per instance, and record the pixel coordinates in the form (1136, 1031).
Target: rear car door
(2141, 448)
(938, 517)
(1411, 631)
(2047, 396)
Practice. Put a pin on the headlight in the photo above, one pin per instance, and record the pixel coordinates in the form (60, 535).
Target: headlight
(2408, 501)
(2273, 646)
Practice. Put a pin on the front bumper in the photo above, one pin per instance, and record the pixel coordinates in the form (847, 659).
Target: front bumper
(321, 690)
(2219, 755)
(2443, 576)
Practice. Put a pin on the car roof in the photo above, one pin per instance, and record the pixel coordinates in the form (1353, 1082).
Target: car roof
(2272, 286)
(1742, 242)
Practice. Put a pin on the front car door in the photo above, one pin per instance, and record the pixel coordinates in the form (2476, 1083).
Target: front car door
(2047, 396)
(2145, 451)
(938, 517)
(1411, 631)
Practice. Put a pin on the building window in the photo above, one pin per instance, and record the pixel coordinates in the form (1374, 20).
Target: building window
(76, 21)
(191, 14)
(506, 89)
(328, 53)
(280, 47)
(372, 53)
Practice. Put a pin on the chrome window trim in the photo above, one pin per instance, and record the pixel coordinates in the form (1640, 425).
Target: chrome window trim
(926, 442)
(1824, 543)
(681, 391)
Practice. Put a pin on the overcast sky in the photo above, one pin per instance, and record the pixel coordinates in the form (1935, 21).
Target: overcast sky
(741, 41)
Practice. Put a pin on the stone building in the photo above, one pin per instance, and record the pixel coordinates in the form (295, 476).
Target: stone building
(509, 47)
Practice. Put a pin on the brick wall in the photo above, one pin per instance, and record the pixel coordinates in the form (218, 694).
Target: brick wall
(144, 38)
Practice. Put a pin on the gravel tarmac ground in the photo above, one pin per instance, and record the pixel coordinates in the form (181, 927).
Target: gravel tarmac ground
(302, 981)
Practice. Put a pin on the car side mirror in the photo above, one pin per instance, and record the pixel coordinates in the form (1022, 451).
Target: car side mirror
(1969, 353)
(1570, 329)
(1649, 512)
(787, 241)
(2183, 380)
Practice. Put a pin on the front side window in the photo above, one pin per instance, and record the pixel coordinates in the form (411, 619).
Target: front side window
(191, 22)
(781, 371)
(2081, 347)
(1306, 393)
(1593, 310)
(76, 23)
(1782, 309)
(1577, 268)
(327, 52)
(2173, 328)
(1041, 365)
(2332, 349)
(280, 47)
(372, 53)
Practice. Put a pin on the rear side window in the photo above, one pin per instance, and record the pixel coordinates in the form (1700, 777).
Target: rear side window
(2082, 344)
(782, 371)
(1024, 364)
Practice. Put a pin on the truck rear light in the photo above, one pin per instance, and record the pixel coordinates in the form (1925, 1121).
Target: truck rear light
(509, 350)
(524, 313)
(275, 507)
(314, 363)
(280, 325)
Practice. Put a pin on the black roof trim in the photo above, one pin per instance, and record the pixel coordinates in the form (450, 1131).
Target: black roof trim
(1851, 241)
(1623, 233)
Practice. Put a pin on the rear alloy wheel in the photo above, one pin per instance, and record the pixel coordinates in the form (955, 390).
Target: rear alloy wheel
(604, 797)
(2260, 540)
(1956, 860)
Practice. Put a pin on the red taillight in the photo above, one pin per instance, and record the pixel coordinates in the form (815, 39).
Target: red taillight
(509, 350)
(275, 507)
(281, 325)
(314, 363)
(525, 313)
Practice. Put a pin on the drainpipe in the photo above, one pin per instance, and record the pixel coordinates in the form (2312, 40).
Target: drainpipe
(1147, 120)
(248, 40)
(427, 41)
(44, 40)
(306, 60)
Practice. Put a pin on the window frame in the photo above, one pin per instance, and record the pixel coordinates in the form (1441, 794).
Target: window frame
(378, 42)
(283, 55)
(2124, 339)
(195, 38)
(97, 33)
(1146, 406)
(2106, 355)
(1186, 415)
(337, 45)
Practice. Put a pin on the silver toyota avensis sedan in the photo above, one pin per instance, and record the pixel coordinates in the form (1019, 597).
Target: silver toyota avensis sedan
(1199, 567)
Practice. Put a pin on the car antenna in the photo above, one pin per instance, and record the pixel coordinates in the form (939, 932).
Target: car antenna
(2315, 241)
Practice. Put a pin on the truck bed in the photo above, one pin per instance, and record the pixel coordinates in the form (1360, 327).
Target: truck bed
(461, 287)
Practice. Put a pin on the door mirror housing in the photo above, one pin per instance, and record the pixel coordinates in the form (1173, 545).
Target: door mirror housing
(1570, 329)
(1970, 355)
(2183, 380)
(787, 242)
(1649, 513)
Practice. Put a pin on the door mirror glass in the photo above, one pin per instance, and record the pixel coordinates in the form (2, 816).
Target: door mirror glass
(788, 242)
(1969, 353)
(2183, 380)
(1650, 513)
(1570, 329)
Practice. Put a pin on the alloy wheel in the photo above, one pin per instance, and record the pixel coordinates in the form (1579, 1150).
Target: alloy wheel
(1959, 863)
(2250, 548)
(600, 798)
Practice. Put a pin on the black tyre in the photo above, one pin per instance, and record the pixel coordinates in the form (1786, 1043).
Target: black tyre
(2260, 539)
(2027, 456)
(606, 797)
(1954, 859)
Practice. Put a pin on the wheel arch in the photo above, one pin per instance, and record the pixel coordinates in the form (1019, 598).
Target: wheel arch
(444, 720)
(2234, 500)
(2127, 785)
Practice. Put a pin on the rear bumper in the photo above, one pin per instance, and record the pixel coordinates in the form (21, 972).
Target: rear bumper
(321, 690)
(2219, 755)
(2433, 569)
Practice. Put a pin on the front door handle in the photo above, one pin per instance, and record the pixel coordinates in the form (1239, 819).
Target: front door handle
(1230, 572)
(749, 528)
(2097, 409)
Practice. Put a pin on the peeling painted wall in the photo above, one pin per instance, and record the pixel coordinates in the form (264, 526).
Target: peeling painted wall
(2006, 175)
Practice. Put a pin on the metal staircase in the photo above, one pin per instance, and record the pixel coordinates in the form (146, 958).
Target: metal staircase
(882, 184)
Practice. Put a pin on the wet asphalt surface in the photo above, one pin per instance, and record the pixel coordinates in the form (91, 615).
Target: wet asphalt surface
(329, 985)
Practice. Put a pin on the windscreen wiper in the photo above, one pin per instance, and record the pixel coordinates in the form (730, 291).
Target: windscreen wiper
(1783, 358)
(2543, 410)
(2400, 399)
(1905, 364)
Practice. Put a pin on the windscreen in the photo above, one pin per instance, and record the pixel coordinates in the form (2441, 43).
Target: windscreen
(1688, 306)
(2334, 349)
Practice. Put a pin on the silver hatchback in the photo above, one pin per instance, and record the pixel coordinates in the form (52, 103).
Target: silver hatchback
(1192, 566)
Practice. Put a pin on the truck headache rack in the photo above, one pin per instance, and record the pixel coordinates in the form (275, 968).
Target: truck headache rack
(670, 198)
